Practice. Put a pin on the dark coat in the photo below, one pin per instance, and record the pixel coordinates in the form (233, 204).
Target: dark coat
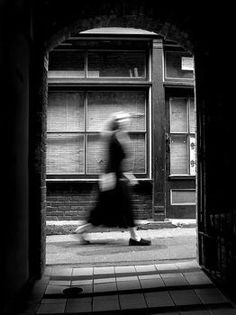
(114, 207)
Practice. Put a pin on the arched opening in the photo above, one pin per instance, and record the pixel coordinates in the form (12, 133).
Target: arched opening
(95, 73)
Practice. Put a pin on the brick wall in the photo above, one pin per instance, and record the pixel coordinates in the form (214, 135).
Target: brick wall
(72, 201)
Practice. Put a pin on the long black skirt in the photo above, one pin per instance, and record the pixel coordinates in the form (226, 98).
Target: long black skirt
(113, 208)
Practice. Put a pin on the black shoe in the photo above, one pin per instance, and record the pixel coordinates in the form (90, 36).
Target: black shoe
(142, 242)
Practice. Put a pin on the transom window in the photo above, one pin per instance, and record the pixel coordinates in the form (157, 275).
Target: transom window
(182, 136)
(97, 64)
(75, 119)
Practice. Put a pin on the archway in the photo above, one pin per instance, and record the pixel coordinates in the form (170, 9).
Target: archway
(153, 20)
(75, 29)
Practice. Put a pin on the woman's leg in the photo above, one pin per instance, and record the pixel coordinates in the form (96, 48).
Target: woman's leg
(83, 228)
(136, 240)
(133, 234)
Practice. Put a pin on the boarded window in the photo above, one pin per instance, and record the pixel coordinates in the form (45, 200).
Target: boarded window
(183, 197)
(95, 154)
(137, 161)
(179, 160)
(65, 112)
(65, 153)
(178, 115)
(74, 145)
(182, 136)
(101, 106)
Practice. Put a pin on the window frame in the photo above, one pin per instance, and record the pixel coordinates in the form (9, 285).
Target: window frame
(188, 134)
(86, 90)
(176, 79)
(86, 78)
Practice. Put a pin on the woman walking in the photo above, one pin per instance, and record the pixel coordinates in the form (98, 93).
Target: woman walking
(114, 206)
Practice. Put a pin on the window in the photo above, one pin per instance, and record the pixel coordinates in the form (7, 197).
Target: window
(89, 80)
(178, 65)
(182, 136)
(75, 119)
(95, 64)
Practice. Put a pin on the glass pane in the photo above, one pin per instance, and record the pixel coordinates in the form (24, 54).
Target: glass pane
(65, 112)
(137, 161)
(116, 64)
(96, 154)
(178, 65)
(65, 153)
(179, 163)
(192, 116)
(178, 115)
(183, 197)
(101, 105)
(66, 64)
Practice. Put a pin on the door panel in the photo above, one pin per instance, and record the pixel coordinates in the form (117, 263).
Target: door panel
(181, 157)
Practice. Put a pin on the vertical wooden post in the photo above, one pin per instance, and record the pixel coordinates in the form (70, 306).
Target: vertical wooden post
(159, 125)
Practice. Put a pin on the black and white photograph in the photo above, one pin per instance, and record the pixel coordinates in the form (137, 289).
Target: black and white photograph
(118, 186)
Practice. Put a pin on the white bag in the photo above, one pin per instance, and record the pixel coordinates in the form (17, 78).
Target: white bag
(107, 181)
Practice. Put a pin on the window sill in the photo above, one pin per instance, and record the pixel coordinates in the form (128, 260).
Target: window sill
(181, 83)
(92, 82)
(185, 177)
(85, 180)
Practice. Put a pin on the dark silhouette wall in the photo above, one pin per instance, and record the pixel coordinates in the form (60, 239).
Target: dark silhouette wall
(28, 31)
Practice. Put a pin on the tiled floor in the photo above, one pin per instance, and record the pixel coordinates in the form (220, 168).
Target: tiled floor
(180, 288)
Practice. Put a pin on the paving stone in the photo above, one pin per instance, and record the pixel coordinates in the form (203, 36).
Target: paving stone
(174, 279)
(145, 268)
(184, 297)
(61, 272)
(152, 276)
(166, 267)
(188, 265)
(128, 285)
(103, 270)
(55, 289)
(132, 301)
(105, 287)
(80, 305)
(152, 283)
(106, 303)
(131, 278)
(197, 278)
(51, 308)
(82, 271)
(82, 282)
(59, 282)
(158, 299)
(125, 269)
(104, 280)
(211, 296)
(87, 288)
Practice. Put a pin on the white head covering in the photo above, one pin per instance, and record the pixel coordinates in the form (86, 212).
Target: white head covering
(120, 116)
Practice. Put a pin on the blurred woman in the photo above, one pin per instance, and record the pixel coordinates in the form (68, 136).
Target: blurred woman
(114, 206)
